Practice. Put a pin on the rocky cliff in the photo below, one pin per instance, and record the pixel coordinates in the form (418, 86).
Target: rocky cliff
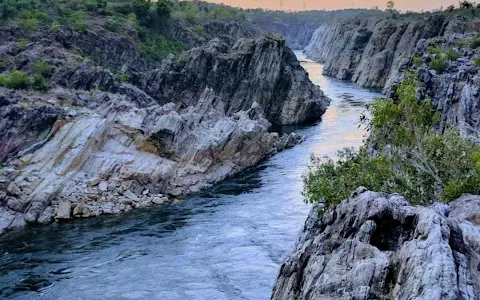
(369, 51)
(377, 246)
(297, 27)
(119, 131)
(453, 86)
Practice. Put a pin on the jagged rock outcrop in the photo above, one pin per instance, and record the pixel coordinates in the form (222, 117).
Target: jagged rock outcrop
(453, 90)
(298, 34)
(378, 246)
(93, 144)
(252, 71)
(368, 51)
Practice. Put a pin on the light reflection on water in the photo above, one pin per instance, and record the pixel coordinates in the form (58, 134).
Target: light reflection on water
(227, 243)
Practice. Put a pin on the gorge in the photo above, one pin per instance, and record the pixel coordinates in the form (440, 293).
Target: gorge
(160, 150)
(225, 243)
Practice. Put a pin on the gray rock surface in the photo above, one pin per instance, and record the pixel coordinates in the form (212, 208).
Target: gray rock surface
(369, 51)
(106, 146)
(377, 246)
(453, 91)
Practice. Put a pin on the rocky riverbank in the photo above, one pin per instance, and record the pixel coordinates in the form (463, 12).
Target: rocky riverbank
(377, 246)
(116, 131)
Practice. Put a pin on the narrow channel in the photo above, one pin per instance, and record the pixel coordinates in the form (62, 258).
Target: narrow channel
(227, 243)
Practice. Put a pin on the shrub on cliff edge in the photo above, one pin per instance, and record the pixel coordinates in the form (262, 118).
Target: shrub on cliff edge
(405, 154)
(17, 80)
(439, 63)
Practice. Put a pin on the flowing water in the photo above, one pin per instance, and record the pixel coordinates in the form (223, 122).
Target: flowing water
(227, 243)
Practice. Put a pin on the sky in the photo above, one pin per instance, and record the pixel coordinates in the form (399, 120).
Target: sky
(403, 5)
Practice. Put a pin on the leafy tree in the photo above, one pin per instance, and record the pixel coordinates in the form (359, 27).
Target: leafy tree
(390, 5)
(141, 8)
(163, 9)
(405, 153)
(466, 4)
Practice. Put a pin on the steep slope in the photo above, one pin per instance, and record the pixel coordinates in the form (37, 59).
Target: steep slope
(450, 83)
(94, 144)
(368, 51)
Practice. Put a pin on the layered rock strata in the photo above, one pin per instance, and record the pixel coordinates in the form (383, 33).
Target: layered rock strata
(369, 51)
(94, 144)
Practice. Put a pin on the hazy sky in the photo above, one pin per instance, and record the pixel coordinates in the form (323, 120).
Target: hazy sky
(336, 4)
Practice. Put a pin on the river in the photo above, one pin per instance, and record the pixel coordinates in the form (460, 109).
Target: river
(227, 243)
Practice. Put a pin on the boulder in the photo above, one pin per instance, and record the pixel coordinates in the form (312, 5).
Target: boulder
(378, 246)
(64, 211)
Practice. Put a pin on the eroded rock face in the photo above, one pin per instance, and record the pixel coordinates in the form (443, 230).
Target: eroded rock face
(454, 90)
(368, 51)
(94, 145)
(264, 71)
(378, 246)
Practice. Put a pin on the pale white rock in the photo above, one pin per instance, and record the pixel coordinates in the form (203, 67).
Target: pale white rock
(160, 200)
(103, 186)
(46, 216)
(64, 211)
(378, 246)
(131, 196)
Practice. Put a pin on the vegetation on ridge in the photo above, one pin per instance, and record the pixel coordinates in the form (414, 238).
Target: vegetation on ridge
(405, 153)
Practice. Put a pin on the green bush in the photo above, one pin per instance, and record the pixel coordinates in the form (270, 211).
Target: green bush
(434, 50)
(55, 27)
(4, 63)
(200, 30)
(30, 24)
(41, 16)
(123, 77)
(476, 61)
(440, 63)
(31, 20)
(22, 43)
(417, 61)
(158, 47)
(141, 8)
(412, 157)
(475, 43)
(452, 54)
(44, 69)
(73, 20)
(3, 78)
(93, 5)
(17, 80)
(113, 24)
(39, 83)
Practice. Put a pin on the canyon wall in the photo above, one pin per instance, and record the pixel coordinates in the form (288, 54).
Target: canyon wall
(368, 51)
(378, 246)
